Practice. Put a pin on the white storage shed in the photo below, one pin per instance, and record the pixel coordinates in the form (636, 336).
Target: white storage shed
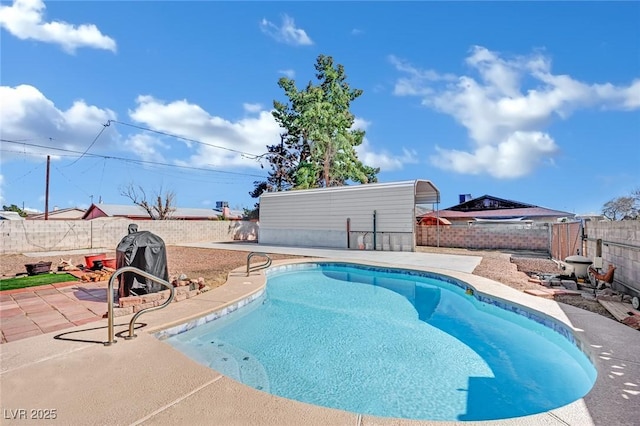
(377, 216)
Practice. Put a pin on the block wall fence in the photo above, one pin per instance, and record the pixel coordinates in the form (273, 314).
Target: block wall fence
(503, 237)
(24, 236)
(618, 243)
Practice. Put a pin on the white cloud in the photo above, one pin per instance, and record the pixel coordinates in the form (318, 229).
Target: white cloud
(28, 115)
(222, 141)
(626, 98)
(516, 156)
(24, 19)
(504, 118)
(288, 73)
(416, 82)
(360, 123)
(385, 160)
(147, 147)
(286, 33)
(251, 108)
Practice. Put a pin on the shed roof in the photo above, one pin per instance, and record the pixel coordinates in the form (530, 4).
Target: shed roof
(8, 215)
(425, 192)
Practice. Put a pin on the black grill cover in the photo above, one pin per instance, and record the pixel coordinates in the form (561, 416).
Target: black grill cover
(145, 251)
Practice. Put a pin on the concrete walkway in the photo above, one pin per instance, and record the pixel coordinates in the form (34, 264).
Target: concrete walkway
(69, 374)
(451, 262)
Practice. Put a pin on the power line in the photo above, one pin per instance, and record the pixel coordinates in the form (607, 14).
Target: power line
(129, 160)
(104, 166)
(104, 126)
(244, 154)
(178, 175)
(92, 166)
(18, 178)
(71, 181)
(32, 154)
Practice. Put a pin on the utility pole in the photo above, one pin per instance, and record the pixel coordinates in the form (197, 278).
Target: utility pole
(46, 195)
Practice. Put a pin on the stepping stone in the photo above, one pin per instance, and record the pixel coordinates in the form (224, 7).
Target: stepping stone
(541, 293)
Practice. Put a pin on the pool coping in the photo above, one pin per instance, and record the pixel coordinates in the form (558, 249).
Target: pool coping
(31, 369)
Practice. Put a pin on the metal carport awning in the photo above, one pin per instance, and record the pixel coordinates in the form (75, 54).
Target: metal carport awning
(426, 192)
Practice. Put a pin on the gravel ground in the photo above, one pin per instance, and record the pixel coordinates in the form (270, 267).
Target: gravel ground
(515, 271)
(214, 265)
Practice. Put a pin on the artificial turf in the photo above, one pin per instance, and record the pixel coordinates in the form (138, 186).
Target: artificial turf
(34, 280)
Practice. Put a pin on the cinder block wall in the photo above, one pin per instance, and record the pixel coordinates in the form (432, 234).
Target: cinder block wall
(486, 237)
(620, 247)
(20, 236)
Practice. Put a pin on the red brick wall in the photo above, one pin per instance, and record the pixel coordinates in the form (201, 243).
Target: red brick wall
(132, 304)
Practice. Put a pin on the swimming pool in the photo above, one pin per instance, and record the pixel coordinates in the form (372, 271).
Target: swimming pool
(392, 343)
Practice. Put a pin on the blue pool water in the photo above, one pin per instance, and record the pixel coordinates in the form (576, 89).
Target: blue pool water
(387, 343)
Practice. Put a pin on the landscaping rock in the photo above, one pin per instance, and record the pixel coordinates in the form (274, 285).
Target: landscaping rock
(569, 284)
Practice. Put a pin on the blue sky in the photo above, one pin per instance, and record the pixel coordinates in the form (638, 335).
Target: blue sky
(534, 102)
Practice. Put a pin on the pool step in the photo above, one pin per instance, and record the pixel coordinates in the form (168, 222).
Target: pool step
(237, 364)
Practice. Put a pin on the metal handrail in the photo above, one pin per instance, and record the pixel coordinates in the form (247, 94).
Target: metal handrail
(257, 267)
(133, 320)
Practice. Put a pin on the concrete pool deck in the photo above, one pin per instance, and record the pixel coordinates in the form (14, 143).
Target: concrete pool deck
(146, 381)
(453, 262)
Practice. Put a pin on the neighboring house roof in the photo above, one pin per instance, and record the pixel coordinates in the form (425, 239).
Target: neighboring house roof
(137, 212)
(4, 215)
(489, 207)
(231, 214)
(488, 202)
(433, 220)
(531, 212)
(68, 213)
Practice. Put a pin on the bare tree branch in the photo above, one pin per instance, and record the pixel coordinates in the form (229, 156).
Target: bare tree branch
(161, 210)
(620, 208)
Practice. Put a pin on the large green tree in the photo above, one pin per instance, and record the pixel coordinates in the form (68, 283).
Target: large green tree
(319, 137)
(283, 163)
(318, 145)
